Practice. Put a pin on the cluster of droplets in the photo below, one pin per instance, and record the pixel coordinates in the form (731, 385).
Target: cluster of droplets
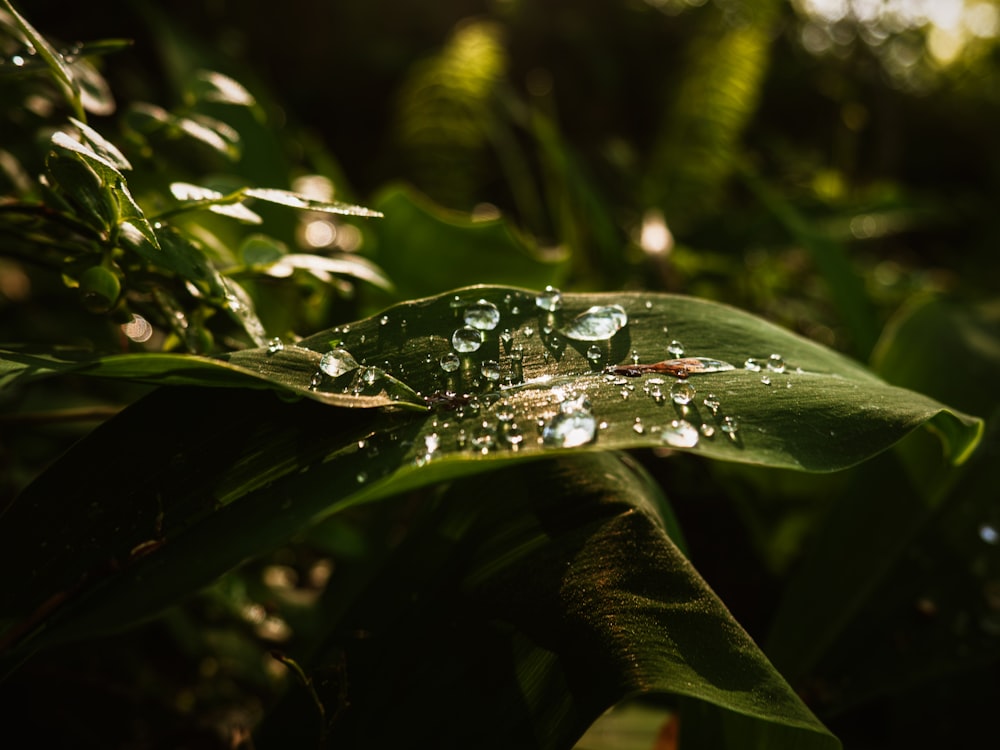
(768, 368)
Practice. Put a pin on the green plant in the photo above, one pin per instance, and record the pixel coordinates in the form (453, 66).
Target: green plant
(418, 526)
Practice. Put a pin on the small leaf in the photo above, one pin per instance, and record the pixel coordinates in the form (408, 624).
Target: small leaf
(322, 267)
(297, 200)
(101, 146)
(211, 86)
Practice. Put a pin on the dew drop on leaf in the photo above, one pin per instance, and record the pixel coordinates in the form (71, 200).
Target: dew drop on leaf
(712, 403)
(490, 370)
(676, 348)
(574, 425)
(730, 427)
(336, 362)
(989, 533)
(467, 339)
(680, 434)
(482, 315)
(597, 323)
(549, 300)
(752, 365)
(776, 363)
(594, 353)
(682, 393)
(275, 345)
(450, 362)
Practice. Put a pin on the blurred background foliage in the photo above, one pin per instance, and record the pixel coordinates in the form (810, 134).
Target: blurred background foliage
(830, 164)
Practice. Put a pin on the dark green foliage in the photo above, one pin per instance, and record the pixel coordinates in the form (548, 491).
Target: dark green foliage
(259, 487)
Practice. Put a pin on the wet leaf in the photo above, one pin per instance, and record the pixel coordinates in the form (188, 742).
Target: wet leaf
(296, 200)
(522, 394)
(557, 584)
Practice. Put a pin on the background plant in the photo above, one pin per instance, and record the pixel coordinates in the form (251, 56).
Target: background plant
(605, 172)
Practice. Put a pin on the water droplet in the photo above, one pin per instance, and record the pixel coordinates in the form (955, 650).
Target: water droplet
(776, 363)
(765, 379)
(529, 332)
(574, 425)
(711, 403)
(597, 323)
(752, 364)
(989, 533)
(275, 345)
(730, 427)
(461, 439)
(467, 339)
(506, 337)
(626, 392)
(676, 348)
(384, 320)
(550, 300)
(315, 381)
(656, 392)
(682, 392)
(450, 362)
(490, 370)
(483, 316)
(336, 362)
(594, 353)
(517, 354)
(361, 477)
(707, 430)
(635, 356)
(649, 305)
(680, 434)
(370, 375)
(637, 427)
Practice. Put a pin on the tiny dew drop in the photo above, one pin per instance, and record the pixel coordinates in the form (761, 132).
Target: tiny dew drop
(635, 356)
(467, 339)
(730, 427)
(529, 332)
(753, 365)
(482, 315)
(649, 305)
(490, 370)
(594, 353)
(549, 300)
(505, 412)
(336, 362)
(450, 362)
(680, 434)
(506, 337)
(384, 320)
(637, 426)
(315, 381)
(711, 403)
(765, 379)
(597, 323)
(707, 430)
(656, 393)
(676, 348)
(776, 363)
(682, 393)
(275, 345)
(484, 437)
(517, 354)
(361, 477)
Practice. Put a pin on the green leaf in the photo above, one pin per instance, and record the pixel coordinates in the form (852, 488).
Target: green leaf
(149, 119)
(84, 189)
(426, 249)
(557, 585)
(195, 197)
(297, 200)
(101, 146)
(299, 461)
(53, 59)
(212, 86)
(909, 553)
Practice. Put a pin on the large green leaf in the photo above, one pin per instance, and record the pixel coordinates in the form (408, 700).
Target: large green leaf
(527, 605)
(900, 584)
(236, 472)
